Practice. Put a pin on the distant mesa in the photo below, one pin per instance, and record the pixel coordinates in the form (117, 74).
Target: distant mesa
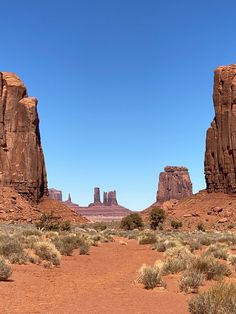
(174, 183)
(109, 198)
(107, 210)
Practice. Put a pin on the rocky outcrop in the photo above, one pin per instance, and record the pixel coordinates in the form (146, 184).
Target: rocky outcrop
(174, 183)
(55, 194)
(22, 164)
(220, 155)
(97, 199)
(111, 198)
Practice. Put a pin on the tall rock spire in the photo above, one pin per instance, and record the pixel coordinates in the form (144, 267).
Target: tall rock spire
(22, 163)
(220, 155)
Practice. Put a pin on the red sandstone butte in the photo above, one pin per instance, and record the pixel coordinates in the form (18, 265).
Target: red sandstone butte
(22, 165)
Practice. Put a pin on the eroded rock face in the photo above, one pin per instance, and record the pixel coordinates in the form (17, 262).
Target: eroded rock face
(55, 194)
(220, 155)
(22, 165)
(111, 198)
(174, 183)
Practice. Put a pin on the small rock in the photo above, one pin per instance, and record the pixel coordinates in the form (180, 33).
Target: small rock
(187, 215)
(222, 220)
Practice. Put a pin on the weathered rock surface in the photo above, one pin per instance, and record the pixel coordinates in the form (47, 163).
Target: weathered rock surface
(22, 164)
(174, 183)
(97, 198)
(220, 155)
(55, 194)
(111, 198)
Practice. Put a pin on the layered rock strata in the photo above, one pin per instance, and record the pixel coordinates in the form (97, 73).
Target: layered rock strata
(220, 155)
(174, 183)
(22, 165)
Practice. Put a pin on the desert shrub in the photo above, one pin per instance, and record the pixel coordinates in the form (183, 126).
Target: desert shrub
(177, 260)
(100, 226)
(190, 281)
(47, 251)
(5, 270)
(150, 277)
(218, 251)
(210, 267)
(84, 248)
(194, 245)
(156, 217)
(12, 249)
(50, 222)
(159, 246)
(175, 224)
(206, 241)
(31, 232)
(132, 221)
(147, 238)
(64, 244)
(232, 259)
(200, 227)
(219, 299)
(65, 225)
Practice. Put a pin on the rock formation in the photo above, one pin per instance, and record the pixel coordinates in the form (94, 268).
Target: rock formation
(111, 198)
(22, 164)
(97, 199)
(174, 183)
(105, 199)
(220, 155)
(55, 194)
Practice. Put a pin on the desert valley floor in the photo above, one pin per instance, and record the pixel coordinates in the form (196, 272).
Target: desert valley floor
(102, 282)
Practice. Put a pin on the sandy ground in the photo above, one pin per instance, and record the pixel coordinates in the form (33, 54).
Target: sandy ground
(102, 282)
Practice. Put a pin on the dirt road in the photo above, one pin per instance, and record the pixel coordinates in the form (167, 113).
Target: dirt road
(102, 282)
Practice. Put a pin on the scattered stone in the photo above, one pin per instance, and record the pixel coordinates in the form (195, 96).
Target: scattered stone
(222, 220)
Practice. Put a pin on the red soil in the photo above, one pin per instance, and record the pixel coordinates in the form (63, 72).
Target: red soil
(15, 208)
(215, 210)
(102, 282)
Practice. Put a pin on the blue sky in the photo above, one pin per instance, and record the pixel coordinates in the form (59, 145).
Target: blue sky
(124, 87)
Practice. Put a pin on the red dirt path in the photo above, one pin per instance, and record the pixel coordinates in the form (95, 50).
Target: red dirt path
(102, 282)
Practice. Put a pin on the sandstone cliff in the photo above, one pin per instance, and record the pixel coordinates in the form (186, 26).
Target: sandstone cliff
(22, 164)
(55, 194)
(220, 155)
(174, 183)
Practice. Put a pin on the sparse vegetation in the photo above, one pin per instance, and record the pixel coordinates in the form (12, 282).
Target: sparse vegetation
(157, 217)
(220, 299)
(191, 280)
(175, 224)
(131, 222)
(150, 277)
(5, 270)
(47, 251)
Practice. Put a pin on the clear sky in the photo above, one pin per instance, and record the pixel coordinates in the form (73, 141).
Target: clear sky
(124, 87)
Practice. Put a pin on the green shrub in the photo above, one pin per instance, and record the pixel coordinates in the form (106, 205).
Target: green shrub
(157, 217)
(190, 281)
(64, 244)
(50, 222)
(100, 226)
(132, 221)
(219, 299)
(47, 251)
(175, 224)
(5, 270)
(150, 277)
